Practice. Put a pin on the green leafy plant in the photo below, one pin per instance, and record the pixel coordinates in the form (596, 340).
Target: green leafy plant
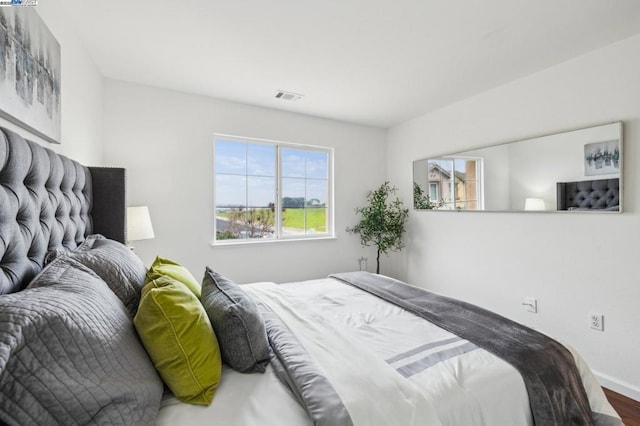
(382, 221)
(420, 199)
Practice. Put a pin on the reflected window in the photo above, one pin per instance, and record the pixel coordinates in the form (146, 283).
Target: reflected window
(455, 183)
(249, 175)
(433, 191)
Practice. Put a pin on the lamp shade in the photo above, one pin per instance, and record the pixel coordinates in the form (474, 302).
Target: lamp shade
(139, 224)
(534, 204)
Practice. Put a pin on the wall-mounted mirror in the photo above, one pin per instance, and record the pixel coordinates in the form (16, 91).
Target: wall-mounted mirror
(579, 170)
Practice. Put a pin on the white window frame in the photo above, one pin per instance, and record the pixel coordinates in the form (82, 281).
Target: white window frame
(479, 181)
(279, 236)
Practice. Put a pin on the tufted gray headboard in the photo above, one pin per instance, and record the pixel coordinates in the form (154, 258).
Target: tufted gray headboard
(48, 201)
(600, 194)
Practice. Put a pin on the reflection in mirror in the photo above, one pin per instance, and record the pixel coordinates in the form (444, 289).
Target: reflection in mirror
(578, 170)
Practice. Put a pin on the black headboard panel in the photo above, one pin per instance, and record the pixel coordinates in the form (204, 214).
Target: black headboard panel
(46, 202)
(600, 194)
(109, 202)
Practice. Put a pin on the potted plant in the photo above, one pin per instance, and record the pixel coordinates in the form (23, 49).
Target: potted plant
(382, 221)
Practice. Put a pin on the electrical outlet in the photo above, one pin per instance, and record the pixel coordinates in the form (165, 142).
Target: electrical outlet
(596, 321)
(530, 304)
(362, 263)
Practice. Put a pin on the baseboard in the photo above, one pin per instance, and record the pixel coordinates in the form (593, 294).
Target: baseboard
(624, 388)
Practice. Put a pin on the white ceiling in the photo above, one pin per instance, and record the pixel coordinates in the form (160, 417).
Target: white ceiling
(373, 62)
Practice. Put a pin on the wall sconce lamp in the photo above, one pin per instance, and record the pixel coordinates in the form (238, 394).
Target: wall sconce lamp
(138, 224)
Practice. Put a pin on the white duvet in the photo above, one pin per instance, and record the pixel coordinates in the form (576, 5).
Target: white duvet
(388, 366)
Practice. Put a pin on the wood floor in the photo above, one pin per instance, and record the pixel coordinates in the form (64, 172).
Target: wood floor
(628, 409)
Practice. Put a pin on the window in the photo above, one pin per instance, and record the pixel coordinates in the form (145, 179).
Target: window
(455, 183)
(267, 190)
(433, 191)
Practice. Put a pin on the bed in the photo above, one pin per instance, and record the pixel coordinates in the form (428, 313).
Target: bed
(349, 349)
(589, 195)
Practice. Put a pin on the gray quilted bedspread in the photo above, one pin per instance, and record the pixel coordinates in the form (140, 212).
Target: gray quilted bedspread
(69, 354)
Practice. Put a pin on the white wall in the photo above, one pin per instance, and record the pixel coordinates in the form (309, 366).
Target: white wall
(165, 140)
(81, 94)
(571, 263)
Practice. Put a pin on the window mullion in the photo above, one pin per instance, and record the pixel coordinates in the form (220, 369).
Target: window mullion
(246, 184)
(304, 204)
(278, 200)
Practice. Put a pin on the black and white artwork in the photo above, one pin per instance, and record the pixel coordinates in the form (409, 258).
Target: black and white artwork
(602, 158)
(29, 73)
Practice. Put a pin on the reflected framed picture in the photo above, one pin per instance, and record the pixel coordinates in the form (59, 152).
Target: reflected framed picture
(602, 158)
(29, 73)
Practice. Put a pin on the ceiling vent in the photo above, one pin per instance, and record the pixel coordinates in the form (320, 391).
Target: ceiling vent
(288, 96)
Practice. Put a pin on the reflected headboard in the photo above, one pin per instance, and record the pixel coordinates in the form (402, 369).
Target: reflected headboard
(48, 201)
(599, 195)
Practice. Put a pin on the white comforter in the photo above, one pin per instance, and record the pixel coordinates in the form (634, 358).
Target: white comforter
(387, 365)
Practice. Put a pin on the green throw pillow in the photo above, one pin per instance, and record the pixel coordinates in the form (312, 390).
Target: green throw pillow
(162, 266)
(178, 336)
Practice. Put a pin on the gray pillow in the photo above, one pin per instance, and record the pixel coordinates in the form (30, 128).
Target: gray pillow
(237, 322)
(116, 264)
(69, 354)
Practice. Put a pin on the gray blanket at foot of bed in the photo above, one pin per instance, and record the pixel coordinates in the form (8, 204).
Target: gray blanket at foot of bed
(556, 393)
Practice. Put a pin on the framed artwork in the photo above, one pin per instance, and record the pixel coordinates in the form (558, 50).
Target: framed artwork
(29, 73)
(602, 158)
